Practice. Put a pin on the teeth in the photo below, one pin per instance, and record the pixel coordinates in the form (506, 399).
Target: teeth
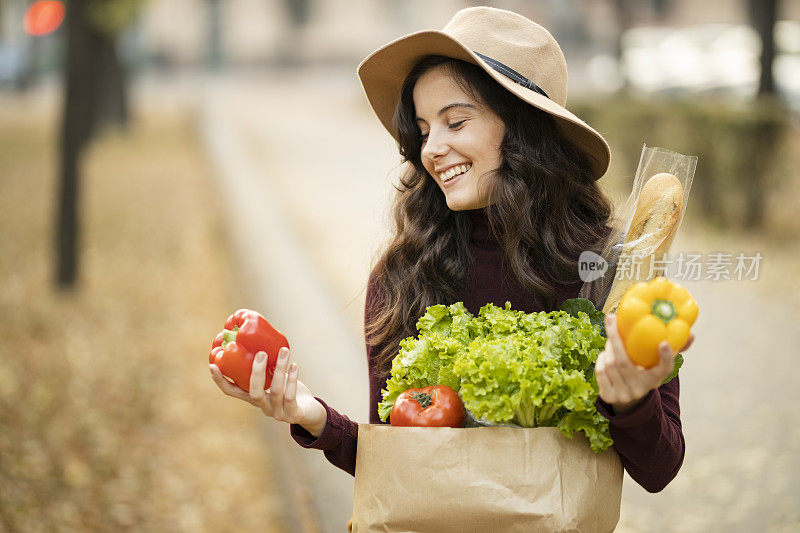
(445, 176)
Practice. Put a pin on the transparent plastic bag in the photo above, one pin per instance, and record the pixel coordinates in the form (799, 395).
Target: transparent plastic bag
(619, 253)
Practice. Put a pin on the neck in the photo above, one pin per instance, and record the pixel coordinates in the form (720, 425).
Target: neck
(482, 235)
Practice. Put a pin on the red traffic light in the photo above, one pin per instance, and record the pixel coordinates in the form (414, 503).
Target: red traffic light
(43, 17)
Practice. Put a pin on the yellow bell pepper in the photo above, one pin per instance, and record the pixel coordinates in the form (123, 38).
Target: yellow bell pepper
(652, 312)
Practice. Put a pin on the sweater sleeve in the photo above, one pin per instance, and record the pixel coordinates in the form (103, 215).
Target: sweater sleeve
(339, 437)
(649, 438)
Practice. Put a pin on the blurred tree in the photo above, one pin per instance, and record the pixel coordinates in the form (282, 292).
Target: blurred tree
(215, 35)
(763, 14)
(624, 22)
(661, 7)
(94, 96)
(108, 18)
(298, 14)
(767, 133)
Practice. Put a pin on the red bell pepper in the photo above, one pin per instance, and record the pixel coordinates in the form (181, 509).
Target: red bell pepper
(246, 333)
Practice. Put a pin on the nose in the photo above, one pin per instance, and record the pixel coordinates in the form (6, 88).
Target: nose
(435, 146)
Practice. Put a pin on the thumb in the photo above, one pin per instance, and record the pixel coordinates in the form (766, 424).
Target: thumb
(666, 357)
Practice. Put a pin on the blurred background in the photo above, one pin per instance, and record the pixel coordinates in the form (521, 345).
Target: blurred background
(165, 162)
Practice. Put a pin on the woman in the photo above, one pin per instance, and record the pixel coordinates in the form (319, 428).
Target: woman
(499, 200)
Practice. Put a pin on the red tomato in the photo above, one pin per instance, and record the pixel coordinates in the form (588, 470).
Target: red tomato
(435, 406)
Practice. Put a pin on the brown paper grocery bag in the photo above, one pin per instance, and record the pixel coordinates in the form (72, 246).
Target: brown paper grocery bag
(483, 479)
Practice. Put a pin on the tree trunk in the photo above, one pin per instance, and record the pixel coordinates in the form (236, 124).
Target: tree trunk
(298, 15)
(214, 35)
(763, 14)
(299, 12)
(94, 96)
(109, 77)
(75, 130)
(624, 22)
(767, 132)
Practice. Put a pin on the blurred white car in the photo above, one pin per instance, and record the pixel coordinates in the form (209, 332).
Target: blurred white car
(716, 58)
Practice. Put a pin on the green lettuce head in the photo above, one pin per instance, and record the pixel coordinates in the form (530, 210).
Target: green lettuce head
(509, 367)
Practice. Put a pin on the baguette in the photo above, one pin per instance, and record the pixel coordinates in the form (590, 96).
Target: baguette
(652, 230)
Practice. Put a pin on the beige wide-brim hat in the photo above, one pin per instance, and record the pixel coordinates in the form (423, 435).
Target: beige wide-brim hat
(521, 55)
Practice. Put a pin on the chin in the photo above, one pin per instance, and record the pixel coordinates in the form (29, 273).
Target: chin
(460, 204)
(455, 205)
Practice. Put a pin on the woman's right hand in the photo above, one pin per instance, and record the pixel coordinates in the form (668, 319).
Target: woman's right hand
(287, 400)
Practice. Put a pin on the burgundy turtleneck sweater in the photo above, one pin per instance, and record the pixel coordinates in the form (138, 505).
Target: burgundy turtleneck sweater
(648, 439)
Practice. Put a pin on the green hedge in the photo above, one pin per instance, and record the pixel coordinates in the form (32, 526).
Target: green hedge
(740, 147)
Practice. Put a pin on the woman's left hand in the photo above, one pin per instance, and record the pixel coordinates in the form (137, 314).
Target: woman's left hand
(622, 383)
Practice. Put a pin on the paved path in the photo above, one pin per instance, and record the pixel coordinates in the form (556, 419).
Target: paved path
(307, 171)
(291, 164)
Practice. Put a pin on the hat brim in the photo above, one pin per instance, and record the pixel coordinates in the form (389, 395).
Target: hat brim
(383, 72)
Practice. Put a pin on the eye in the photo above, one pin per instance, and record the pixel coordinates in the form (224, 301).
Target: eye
(454, 126)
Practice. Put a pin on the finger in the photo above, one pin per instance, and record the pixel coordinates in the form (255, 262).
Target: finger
(226, 386)
(290, 393)
(688, 343)
(278, 384)
(617, 347)
(607, 391)
(666, 362)
(617, 379)
(617, 362)
(258, 376)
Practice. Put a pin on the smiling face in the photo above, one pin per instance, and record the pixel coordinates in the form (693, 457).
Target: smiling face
(460, 139)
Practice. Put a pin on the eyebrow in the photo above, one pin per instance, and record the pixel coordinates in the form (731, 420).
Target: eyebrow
(450, 106)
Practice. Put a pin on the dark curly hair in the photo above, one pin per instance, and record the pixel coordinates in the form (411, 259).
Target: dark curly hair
(544, 206)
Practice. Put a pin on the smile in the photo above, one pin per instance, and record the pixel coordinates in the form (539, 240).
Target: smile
(453, 172)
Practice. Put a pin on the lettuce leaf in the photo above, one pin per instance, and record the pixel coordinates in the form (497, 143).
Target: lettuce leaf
(575, 306)
(428, 359)
(678, 365)
(535, 370)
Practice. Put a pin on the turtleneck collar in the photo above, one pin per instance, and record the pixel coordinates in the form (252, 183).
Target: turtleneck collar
(482, 235)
